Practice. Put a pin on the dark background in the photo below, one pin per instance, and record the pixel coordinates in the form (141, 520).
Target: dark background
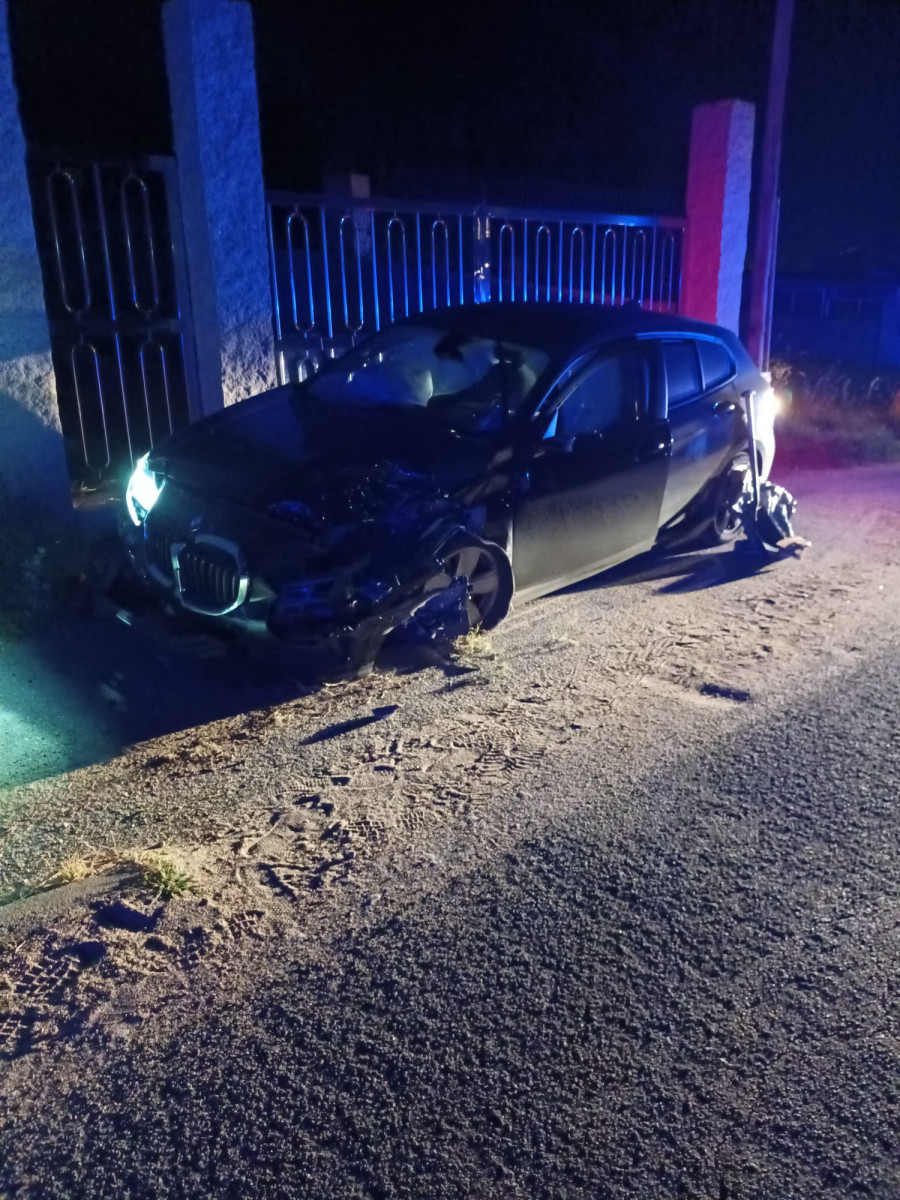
(482, 96)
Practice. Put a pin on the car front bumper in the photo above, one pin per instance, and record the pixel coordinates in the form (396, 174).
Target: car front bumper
(206, 583)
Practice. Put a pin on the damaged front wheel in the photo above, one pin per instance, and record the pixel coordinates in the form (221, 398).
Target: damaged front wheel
(488, 575)
(724, 522)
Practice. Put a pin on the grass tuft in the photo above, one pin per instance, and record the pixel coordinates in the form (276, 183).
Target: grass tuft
(163, 877)
(157, 871)
(476, 644)
(74, 868)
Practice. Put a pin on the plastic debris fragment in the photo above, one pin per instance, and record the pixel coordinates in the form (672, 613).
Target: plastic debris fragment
(767, 521)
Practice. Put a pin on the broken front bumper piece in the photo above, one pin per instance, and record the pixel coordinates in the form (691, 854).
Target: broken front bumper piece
(766, 521)
(371, 609)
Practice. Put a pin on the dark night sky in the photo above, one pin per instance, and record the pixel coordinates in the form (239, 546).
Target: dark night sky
(573, 92)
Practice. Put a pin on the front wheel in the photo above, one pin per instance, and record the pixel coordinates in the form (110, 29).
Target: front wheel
(724, 522)
(488, 575)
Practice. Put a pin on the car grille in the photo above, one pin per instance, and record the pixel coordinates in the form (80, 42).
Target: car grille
(160, 533)
(210, 577)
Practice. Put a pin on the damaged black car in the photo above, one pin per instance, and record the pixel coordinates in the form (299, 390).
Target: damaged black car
(446, 468)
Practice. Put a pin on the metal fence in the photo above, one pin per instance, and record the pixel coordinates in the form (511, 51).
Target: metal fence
(115, 286)
(115, 283)
(342, 269)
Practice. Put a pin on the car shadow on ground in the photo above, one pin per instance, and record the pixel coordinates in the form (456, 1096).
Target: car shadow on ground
(87, 685)
(691, 571)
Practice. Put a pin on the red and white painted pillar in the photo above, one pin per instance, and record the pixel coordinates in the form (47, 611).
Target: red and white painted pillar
(718, 211)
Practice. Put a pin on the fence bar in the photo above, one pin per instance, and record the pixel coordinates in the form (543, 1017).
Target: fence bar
(375, 270)
(144, 310)
(350, 218)
(71, 308)
(434, 227)
(499, 212)
(276, 303)
(559, 280)
(624, 259)
(462, 294)
(395, 220)
(507, 228)
(484, 266)
(580, 232)
(419, 258)
(293, 274)
(609, 233)
(642, 235)
(327, 273)
(544, 229)
(117, 342)
(593, 257)
(82, 345)
(525, 259)
(151, 341)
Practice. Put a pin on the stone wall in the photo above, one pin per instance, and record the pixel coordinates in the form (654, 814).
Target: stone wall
(32, 462)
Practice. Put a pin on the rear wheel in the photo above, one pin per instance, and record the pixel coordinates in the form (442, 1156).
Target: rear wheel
(488, 576)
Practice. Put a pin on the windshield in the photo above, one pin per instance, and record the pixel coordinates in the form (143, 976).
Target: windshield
(471, 383)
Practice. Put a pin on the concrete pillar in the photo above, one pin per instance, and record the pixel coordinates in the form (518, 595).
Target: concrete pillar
(718, 211)
(32, 461)
(215, 121)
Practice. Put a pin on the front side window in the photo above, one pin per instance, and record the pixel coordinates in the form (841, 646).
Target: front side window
(613, 393)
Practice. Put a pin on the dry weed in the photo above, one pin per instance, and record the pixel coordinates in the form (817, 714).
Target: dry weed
(476, 644)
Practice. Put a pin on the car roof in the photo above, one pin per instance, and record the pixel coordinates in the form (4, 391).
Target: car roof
(561, 329)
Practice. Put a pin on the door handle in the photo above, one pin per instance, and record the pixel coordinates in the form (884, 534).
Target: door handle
(722, 408)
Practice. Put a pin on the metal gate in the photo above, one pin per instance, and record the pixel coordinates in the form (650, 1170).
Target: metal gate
(343, 270)
(115, 285)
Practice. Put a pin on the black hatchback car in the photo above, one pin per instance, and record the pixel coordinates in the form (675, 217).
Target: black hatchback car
(454, 463)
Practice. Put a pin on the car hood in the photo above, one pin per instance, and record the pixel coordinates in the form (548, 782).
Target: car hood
(282, 447)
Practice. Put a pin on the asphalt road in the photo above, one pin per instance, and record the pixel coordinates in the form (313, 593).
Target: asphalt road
(697, 1001)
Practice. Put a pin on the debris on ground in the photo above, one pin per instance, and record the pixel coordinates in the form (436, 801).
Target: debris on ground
(765, 514)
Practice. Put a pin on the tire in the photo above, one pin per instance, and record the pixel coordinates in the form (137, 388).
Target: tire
(724, 525)
(488, 573)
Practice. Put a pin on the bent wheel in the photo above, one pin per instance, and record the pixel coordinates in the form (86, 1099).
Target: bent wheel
(725, 524)
(488, 576)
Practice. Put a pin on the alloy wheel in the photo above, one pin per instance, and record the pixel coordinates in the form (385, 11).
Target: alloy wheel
(477, 564)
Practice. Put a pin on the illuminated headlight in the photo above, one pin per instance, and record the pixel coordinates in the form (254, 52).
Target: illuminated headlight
(142, 491)
(768, 406)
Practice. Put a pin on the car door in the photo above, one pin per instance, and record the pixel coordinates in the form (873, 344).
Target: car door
(596, 481)
(704, 415)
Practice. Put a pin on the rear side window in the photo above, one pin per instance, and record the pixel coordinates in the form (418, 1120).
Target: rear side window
(716, 364)
(683, 381)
